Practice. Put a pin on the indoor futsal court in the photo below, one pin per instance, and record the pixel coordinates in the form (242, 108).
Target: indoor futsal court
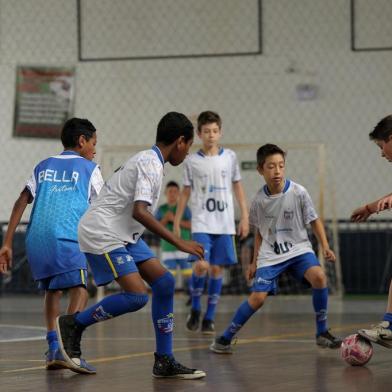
(274, 351)
(253, 140)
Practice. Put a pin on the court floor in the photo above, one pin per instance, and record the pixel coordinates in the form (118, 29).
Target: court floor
(275, 351)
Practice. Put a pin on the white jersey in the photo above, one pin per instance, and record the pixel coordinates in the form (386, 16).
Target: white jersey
(108, 223)
(211, 178)
(281, 220)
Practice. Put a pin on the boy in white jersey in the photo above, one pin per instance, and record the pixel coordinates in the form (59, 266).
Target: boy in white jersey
(61, 188)
(280, 212)
(210, 177)
(382, 136)
(110, 235)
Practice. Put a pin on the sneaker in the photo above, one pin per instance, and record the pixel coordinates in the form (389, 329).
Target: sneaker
(166, 366)
(193, 320)
(327, 340)
(221, 346)
(55, 360)
(379, 333)
(70, 335)
(208, 327)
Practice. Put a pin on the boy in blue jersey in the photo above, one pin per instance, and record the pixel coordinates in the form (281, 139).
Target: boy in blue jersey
(110, 235)
(382, 136)
(61, 188)
(211, 175)
(171, 257)
(280, 212)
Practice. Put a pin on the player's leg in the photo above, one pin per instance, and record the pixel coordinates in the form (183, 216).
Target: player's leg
(52, 311)
(186, 274)
(307, 266)
(214, 290)
(199, 274)
(162, 284)
(119, 265)
(75, 283)
(222, 344)
(382, 332)
(223, 253)
(264, 283)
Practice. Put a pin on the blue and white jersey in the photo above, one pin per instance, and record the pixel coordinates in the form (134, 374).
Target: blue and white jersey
(211, 180)
(62, 187)
(281, 220)
(108, 223)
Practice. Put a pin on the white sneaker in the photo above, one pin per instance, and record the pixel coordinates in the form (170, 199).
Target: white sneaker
(379, 333)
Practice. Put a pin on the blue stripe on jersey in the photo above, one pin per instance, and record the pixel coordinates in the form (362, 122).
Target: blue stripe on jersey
(201, 152)
(285, 188)
(159, 153)
(60, 201)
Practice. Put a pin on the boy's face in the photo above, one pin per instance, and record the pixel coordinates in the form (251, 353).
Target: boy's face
(180, 151)
(87, 147)
(273, 170)
(210, 134)
(386, 148)
(172, 194)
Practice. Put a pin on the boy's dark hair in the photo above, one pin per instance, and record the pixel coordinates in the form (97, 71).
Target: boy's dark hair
(208, 117)
(73, 129)
(266, 150)
(173, 125)
(172, 183)
(382, 130)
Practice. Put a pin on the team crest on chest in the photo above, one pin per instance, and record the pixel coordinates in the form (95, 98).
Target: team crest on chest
(288, 214)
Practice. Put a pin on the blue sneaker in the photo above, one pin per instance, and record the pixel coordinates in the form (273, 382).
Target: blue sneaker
(55, 360)
(69, 333)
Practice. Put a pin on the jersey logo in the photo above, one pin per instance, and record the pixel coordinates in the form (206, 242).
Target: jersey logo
(288, 214)
(215, 205)
(282, 247)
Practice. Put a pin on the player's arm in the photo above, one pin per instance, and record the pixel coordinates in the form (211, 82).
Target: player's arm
(361, 214)
(319, 232)
(253, 264)
(17, 212)
(142, 215)
(182, 202)
(243, 226)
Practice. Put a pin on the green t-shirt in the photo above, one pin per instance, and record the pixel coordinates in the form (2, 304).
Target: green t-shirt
(185, 233)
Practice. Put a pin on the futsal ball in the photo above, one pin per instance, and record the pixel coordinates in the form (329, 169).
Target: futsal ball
(356, 350)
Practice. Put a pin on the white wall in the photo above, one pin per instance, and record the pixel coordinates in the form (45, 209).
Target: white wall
(304, 41)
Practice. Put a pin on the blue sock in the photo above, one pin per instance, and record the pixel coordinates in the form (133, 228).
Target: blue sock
(388, 317)
(53, 342)
(214, 290)
(112, 306)
(320, 305)
(162, 313)
(244, 312)
(197, 290)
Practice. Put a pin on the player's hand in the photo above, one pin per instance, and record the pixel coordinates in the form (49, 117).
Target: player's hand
(169, 216)
(329, 255)
(360, 214)
(251, 272)
(243, 228)
(3, 265)
(6, 255)
(384, 204)
(192, 247)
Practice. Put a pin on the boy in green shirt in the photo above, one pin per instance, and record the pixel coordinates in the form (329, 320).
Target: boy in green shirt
(171, 257)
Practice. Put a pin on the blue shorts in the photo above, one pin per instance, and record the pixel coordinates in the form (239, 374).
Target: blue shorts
(64, 281)
(219, 249)
(171, 264)
(266, 277)
(119, 262)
